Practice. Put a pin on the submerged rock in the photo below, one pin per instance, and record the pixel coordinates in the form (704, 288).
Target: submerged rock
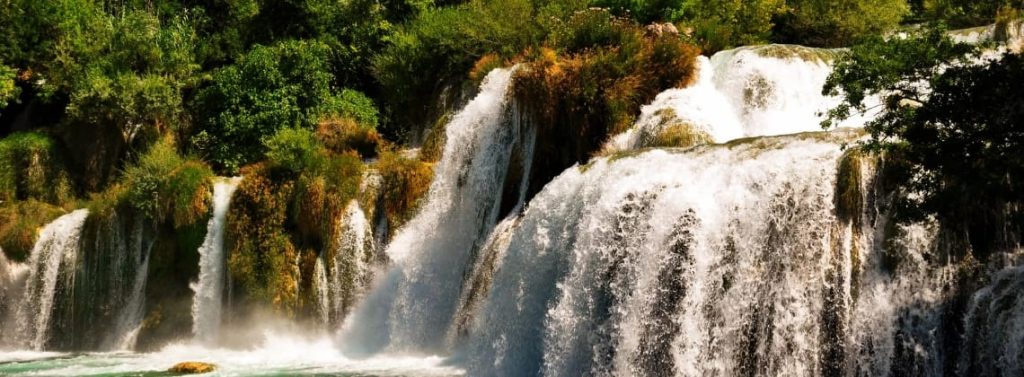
(192, 367)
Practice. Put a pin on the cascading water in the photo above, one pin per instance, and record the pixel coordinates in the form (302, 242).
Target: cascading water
(350, 268)
(720, 260)
(55, 249)
(209, 289)
(129, 321)
(413, 305)
(12, 285)
(745, 92)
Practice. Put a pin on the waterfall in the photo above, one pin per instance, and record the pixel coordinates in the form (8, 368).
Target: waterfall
(12, 284)
(722, 260)
(323, 294)
(412, 305)
(54, 251)
(745, 92)
(136, 257)
(350, 272)
(209, 290)
(995, 328)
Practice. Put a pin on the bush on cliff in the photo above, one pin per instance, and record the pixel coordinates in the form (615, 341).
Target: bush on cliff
(20, 223)
(604, 69)
(31, 167)
(405, 182)
(165, 186)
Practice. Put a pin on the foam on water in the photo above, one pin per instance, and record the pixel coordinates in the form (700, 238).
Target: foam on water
(278, 355)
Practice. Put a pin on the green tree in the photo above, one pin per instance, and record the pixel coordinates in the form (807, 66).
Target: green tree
(271, 87)
(440, 46)
(832, 23)
(964, 13)
(955, 123)
(721, 24)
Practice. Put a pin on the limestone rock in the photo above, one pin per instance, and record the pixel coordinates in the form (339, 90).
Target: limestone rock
(192, 367)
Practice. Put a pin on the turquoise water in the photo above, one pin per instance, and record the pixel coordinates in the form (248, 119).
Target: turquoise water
(277, 357)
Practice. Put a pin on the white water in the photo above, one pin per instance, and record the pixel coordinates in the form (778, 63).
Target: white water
(323, 294)
(745, 92)
(995, 327)
(209, 290)
(129, 321)
(350, 269)
(57, 246)
(411, 307)
(278, 355)
(12, 285)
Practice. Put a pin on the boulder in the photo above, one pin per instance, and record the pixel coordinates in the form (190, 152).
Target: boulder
(192, 367)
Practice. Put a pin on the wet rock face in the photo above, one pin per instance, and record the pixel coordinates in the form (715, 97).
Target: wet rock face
(192, 367)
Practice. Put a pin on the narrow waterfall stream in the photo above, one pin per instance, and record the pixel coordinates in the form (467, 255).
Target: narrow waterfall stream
(340, 287)
(209, 289)
(55, 251)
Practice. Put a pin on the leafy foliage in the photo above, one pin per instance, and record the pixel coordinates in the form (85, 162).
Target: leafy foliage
(165, 186)
(31, 168)
(292, 149)
(959, 164)
(442, 45)
(720, 24)
(8, 90)
(644, 11)
(836, 24)
(271, 87)
(962, 13)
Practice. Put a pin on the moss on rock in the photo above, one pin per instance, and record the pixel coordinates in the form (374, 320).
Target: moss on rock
(404, 183)
(673, 132)
(20, 223)
(31, 168)
(260, 252)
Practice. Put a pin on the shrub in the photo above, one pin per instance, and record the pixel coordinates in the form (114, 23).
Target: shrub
(8, 90)
(321, 194)
(260, 253)
(405, 182)
(344, 134)
(644, 11)
(583, 95)
(292, 149)
(164, 186)
(20, 223)
(964, 13)
(721, 24)
(31, 168)
(357, 106)
(483, 66)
